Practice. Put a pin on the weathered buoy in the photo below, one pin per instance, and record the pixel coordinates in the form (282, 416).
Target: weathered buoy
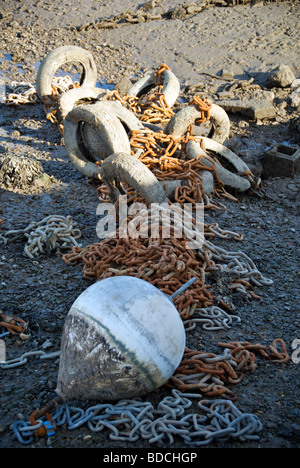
(122, 338)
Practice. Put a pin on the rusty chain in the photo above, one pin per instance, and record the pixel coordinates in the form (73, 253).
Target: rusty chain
(243, 348)
(164, 156)
(150, 107)
(210, 373)
(59, 85)
(164, 262)
(13, 324)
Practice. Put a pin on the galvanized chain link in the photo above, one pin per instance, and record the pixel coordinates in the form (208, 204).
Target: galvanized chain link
(211, 318)
(21, 93)
(52, 233)
(131, 420)
(23, 359)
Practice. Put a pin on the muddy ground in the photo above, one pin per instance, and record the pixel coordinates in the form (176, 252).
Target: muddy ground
(242, 41)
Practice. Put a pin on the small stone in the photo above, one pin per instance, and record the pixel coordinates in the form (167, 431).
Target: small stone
(296, 83)
(3, 427)
(24, 337)
(227, 73)
(280, 77)
(47, 344)
(295, 97)
(123, 86)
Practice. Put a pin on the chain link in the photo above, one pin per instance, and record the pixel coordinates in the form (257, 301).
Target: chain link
(131, 420)
(20, 361)
(52, 233)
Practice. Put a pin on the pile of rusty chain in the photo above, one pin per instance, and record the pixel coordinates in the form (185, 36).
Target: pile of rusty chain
(165, 263)
(164, 156)
(158, 155)
(210, 373)
(151, 107)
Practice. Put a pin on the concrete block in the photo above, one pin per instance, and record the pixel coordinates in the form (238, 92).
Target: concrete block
(281, 160)
(254, 109)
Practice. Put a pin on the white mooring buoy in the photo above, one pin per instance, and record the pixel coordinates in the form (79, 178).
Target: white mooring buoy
(122, 338)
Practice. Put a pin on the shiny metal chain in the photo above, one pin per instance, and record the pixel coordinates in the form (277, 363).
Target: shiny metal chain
(130, 420)
(21, 360)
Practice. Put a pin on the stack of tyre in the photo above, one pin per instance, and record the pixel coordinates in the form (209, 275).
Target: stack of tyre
(97, 130)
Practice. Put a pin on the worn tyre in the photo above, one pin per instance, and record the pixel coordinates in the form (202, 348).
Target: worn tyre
(171, 86)
(93, 143)
(234, 162)
(179, 123)
(72, 98)
(229, 179)
(54, 60)
(110, 133)
(127, 118)
(123, 167)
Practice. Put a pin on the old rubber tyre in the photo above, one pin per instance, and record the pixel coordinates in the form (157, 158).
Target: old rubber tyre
(110, 132)
(171, 86)
(54, 60)
(127, 117)
(93, 145)
(123, 167)
(235, 163)
(75, 96)
(179, 123)
(228, 178)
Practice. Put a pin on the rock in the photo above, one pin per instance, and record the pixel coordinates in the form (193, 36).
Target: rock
(19, 171)
(227, 73)
(281, 161)
(295, 97)
(281, 77)
(123, 86)
(3, 427)
(296, 83)
(261, 93)
(254, 109)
